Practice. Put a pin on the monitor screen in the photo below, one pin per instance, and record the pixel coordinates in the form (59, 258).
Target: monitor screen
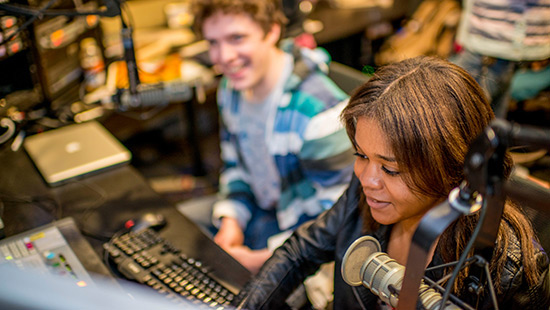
(25, 289)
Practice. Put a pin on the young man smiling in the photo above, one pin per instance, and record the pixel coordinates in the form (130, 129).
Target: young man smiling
(286, 156)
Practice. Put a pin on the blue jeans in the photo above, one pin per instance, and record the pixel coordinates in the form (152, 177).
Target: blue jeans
(494, 75)
(262, 225)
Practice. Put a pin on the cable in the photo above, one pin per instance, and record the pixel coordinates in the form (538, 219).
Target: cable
(57, 211)
(42, 202)
(109, 244)
(437, 284)
(7, 123)
(463, 258)
(88, 210)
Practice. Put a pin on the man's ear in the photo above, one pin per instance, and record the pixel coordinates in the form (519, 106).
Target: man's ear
(274, 34)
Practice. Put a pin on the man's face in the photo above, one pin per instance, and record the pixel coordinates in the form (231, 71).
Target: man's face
(239, 48)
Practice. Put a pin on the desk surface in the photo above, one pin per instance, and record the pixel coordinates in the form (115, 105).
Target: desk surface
(100, 204)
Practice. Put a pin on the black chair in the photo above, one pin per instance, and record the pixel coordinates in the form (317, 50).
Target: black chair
(533, 199)
(347, 78)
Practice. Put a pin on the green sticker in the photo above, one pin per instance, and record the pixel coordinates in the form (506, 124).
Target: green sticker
(368, 70)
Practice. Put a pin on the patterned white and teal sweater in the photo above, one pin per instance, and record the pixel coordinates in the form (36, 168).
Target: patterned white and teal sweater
(309, 145)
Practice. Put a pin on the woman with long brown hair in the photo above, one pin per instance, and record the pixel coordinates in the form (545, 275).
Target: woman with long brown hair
(411, 125)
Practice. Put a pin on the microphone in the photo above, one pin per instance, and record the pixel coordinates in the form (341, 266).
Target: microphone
(364, 264)
(150, 95)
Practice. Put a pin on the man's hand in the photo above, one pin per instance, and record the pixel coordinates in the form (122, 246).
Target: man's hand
(250, 259)
(230, 233)
(230, 237)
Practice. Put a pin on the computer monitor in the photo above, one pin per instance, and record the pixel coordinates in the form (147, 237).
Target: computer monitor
(25, 289)
(54, 267)
(41, 63)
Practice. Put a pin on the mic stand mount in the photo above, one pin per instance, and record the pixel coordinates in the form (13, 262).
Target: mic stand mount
(136, 99)
(461, 201)
(131, 63)
(481, 190)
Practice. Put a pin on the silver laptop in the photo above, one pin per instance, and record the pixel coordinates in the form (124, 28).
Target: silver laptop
(75, 150)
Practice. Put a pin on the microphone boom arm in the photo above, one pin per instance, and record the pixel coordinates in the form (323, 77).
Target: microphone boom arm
(485, 184)
(461, 201)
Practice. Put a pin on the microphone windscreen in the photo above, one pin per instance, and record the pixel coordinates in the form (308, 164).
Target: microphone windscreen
(356, 255)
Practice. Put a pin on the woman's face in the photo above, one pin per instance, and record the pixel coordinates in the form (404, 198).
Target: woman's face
(390, 200)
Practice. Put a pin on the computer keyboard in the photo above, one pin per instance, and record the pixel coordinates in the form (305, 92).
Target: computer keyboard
(147, 258)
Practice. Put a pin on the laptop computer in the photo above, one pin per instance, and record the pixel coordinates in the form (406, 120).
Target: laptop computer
(72, 151)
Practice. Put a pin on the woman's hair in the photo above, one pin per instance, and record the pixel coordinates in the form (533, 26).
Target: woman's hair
(264, 12)
(431, 110)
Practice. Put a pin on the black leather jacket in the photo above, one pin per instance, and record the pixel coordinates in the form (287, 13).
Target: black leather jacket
(328, 237)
